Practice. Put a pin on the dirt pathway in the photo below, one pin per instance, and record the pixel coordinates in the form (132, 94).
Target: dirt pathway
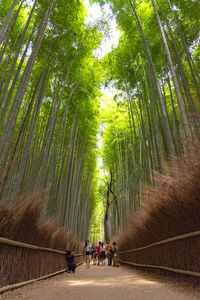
(101, 283)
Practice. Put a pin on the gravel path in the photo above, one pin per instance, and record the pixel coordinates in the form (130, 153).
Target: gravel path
(102, 282)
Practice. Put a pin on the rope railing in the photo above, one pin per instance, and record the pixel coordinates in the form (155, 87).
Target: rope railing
(175, 238)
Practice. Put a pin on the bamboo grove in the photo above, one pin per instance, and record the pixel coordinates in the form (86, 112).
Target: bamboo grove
(49, 107)
(155, 72)
(50, 111)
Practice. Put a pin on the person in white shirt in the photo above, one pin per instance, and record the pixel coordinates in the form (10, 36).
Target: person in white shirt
(87, 251)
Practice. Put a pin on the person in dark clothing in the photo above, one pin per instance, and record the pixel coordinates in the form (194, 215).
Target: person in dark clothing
(99, 253)
(70, 261)
(103, 254)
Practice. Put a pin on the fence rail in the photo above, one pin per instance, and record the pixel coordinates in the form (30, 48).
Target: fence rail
(179, 254)
(184, 272)
(21, 284)
(175, 238)
(15, 261)
(29, 246)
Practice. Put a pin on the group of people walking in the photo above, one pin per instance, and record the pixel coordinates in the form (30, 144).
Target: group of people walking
(99, 253)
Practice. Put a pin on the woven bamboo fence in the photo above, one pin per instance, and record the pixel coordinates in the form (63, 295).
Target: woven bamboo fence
(180, 254)
(22, 262)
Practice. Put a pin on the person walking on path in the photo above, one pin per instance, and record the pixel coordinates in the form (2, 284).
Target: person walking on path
(87, 251)
(109, 250)
(103, 254)
(70, 262)
(115, 255)
(95, 255)
(99, 253)
(92, 251)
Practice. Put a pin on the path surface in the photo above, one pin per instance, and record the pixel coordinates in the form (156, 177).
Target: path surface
(101, 283)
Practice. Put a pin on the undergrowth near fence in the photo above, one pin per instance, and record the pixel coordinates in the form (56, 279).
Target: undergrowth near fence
(20, 221)
(171, 207)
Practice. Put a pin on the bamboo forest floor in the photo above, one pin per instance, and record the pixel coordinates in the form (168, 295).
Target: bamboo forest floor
(103, 282)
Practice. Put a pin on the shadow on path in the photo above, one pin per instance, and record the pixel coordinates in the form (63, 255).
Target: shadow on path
(100, 282)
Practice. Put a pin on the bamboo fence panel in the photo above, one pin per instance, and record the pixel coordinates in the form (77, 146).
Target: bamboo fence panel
(179, 254)
(175, 238)
(21, 284)
(29, 246)
(21, 262)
